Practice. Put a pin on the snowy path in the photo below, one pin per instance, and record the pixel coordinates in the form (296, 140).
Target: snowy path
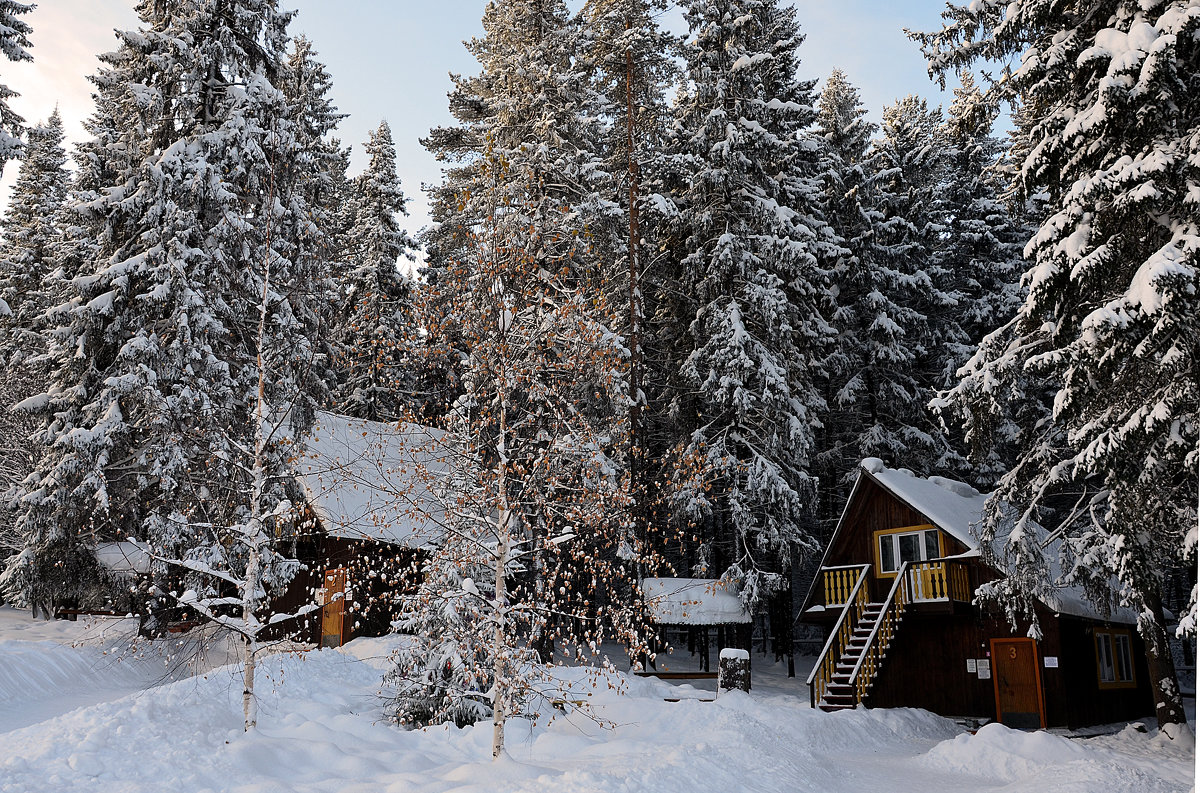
(322, 730)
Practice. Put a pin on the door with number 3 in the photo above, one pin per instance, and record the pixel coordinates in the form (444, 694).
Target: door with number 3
(1020, 702)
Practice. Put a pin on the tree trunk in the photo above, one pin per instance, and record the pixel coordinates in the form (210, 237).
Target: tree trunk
(1168, 702)
(249, 702)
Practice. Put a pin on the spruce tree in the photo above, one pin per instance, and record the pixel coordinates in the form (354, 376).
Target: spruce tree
(190, 325)
(32, 233)
(1110, 322)
(29, 254)
(378, 376)
(750, 219)
(842, 124)
(978, 253)
(14, 44)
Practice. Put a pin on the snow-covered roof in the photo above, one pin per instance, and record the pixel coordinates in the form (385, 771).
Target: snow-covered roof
(692, 601)
(950, 505)
(957, 509)
(123, 558)
(371, 480)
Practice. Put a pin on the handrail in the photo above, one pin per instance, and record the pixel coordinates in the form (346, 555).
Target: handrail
(885, 616)
(841, 630)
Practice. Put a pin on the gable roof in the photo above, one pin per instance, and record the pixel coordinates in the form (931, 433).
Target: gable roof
(954, 507)
(369, 480)
(957, 509)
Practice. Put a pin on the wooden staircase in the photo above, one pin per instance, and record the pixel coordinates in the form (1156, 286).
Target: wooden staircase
(858, 644)
(840, 693)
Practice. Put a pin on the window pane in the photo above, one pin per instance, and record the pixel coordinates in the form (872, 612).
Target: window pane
(932, 551)
(1124, 659)
(910, 547)
(887, 554)
(1104, 658)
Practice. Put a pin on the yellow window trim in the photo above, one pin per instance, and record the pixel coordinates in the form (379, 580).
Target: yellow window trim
(879, 573)
(1112, 646)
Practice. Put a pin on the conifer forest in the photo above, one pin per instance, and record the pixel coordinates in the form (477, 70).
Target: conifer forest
(672, 302)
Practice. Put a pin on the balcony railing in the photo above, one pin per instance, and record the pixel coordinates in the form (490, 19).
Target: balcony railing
(838, 583)
(938, 580)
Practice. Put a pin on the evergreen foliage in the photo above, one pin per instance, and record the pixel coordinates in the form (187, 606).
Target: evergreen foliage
(750, 219)
(14, 44)
(375, 330)
(1110, 319)
(28, 256)
(192, 305)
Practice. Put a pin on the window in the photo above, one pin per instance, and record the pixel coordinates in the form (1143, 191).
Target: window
(894, 547)
(1114, 659)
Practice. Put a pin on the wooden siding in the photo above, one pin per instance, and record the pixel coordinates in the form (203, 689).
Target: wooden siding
(926, 666)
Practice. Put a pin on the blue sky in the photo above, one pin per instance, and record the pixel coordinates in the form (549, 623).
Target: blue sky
(390, 59)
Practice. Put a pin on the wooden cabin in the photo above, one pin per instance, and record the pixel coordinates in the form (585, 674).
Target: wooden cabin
(895, 596)
(372, 509)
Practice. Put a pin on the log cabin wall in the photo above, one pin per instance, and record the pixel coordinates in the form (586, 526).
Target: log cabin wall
(1091, 703)
(378, 572)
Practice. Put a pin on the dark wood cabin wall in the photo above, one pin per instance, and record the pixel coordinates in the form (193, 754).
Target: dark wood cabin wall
(873, 509)
(395, 569)
(926, 666)
(1090, 703)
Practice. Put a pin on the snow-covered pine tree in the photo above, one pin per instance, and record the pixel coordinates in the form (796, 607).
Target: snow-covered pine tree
(378, 373)
(28, 254)
(894, 354)
(31, 228)
(195, 258)
(329, 193)
(847, 134)
(750, 219)
(534, 445)
(630, 60)
(977, 258)
(1112, 316)
(14, 41)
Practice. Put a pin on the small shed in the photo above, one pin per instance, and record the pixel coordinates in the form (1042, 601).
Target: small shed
(693, 609)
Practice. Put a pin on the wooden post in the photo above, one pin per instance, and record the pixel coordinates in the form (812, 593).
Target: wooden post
(733, 671)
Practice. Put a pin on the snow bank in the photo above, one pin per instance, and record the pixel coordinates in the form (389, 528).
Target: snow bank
(1128, 762)
(322, 728)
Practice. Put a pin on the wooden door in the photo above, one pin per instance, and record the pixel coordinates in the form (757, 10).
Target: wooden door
(1020, 701)
(333, 607)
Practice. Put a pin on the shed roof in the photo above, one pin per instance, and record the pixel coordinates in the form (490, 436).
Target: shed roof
(693, 601)
(123, 559)
(368, 480)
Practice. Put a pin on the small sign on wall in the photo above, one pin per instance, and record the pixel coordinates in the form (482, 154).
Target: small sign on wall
(1051, 661)
(985, 669)
(970, 666)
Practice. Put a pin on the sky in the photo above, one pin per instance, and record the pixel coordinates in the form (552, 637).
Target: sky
(391, 59)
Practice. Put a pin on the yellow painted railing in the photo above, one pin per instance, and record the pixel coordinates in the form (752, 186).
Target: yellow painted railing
(838, 583)
(856, 600)
(871, 660)
(938, 580)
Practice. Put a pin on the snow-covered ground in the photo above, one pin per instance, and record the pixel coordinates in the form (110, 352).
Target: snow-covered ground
(75, 716)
